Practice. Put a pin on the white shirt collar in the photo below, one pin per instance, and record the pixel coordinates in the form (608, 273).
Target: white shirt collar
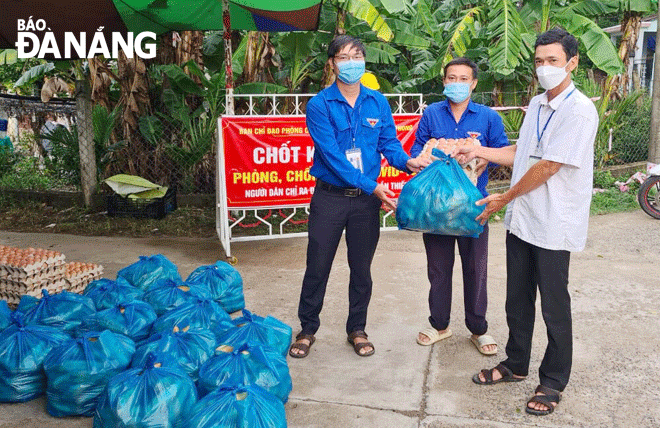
(554, 104)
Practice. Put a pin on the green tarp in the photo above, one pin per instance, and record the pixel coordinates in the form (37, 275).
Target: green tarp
(161, 16)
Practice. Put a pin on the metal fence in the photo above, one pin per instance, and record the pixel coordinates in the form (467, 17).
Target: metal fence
(177, 148)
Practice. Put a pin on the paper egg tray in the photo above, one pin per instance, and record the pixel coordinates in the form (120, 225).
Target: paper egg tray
(78, 280)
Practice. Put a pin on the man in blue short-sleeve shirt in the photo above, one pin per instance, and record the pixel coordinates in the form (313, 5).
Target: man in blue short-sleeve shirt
(455, 118)
(351, 126)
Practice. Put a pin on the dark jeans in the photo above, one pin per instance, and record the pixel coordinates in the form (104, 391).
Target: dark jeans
(529, 267)
(331, 213)
(474, 260)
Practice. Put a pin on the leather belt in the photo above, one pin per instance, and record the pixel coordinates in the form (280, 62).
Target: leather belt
(346, 191)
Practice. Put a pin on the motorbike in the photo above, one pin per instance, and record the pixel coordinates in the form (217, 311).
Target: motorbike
(649, 193)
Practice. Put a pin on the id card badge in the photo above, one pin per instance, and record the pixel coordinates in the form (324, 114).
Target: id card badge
(354, 156)
(532, 161)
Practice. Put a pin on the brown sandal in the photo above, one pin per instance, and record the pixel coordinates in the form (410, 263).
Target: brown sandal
(507, 376)
(549, 396)
(358, 346)
(302, 346)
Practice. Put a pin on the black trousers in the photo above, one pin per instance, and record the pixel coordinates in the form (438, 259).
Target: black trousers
(330, 214)
(529, 267)
(440, 265)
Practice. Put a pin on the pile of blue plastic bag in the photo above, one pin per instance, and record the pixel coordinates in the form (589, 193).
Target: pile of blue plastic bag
(149, 350)
(440, 200)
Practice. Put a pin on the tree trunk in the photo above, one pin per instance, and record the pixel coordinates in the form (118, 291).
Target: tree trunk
(654, 143)
(617, 86)
(328, 75)
(86, 140)
(132, 75)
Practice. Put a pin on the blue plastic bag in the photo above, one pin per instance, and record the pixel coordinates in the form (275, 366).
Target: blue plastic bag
(78, 370)
(440, 200)
(106, 293)
(148, 270)
(5, 315)
(65, 310)
(23, 348)
(167, 294)
(223, 282)
(133, 319)
(238, 406)
(248, 364)
(190, 348)
(200, 313)
(254, 329)
(151, 396)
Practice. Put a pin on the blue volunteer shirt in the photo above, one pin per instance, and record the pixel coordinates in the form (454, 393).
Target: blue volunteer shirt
(477, 120)
(335, 126)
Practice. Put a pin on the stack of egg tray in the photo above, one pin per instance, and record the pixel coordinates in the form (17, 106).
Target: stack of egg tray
(28, 271)
(79, 275)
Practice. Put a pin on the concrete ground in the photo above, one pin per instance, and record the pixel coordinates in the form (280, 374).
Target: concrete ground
(615, 286)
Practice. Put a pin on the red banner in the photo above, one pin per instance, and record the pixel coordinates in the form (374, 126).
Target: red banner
(267, 160)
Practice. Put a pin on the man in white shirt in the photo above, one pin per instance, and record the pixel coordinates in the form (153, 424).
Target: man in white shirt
(546, 217)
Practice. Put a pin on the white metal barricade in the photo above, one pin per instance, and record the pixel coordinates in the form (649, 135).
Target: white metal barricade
(224, 224)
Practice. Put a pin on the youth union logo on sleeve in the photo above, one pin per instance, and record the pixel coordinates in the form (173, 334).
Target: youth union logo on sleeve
(30, 45)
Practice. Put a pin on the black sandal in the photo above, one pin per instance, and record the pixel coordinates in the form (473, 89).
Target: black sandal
(549, 396)
(302, 346)
(358, 346)
(507, 376)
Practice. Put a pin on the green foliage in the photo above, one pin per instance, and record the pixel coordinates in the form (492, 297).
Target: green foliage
(64, 160)
(26, 174)
(8, 159)
(603, 179)
(613, 201)
(630, 139)
(34, 73)
(629, 120)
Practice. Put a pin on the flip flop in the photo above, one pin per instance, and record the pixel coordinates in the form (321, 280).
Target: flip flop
(483, 340)
(433, 335)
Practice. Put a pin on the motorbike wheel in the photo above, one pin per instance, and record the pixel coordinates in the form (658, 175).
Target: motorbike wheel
(649, 196)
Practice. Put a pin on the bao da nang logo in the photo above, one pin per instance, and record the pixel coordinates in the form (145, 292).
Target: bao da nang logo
(35, 39)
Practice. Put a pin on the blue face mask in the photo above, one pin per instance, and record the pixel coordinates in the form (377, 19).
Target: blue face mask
(457, 92)
(350, 71)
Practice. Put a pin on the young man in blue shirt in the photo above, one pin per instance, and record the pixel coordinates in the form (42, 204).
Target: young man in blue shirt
(459, 117)
(351, 126)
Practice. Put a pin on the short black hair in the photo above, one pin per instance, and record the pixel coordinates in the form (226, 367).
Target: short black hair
(339, 42)
(561, 36)
(463, 61)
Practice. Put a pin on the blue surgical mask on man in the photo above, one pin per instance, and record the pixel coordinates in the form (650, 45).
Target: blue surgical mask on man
(350, 71)
(457, 92)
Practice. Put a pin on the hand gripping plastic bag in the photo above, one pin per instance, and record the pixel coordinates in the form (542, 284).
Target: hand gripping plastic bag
(246, 365)
(167, 294)
(223, 282)
(252, 328)
(64, 310)
(5, 315)
(189, 347)
(106, 293)
(133, 319)
(200, 313)
(148, 270)
(440, 200)
(23, 348)
(78, 370)
(151, 396)
(238, 406)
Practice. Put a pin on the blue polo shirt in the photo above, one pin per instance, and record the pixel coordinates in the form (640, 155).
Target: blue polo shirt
(438, 122)
(336, 127)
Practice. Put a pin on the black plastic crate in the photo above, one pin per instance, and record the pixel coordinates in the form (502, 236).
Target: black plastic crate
(119, 206)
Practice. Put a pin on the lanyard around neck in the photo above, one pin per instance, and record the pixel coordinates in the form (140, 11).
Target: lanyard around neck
(350, 122)
(538, 118)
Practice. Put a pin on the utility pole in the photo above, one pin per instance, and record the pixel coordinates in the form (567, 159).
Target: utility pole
(654, 143)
